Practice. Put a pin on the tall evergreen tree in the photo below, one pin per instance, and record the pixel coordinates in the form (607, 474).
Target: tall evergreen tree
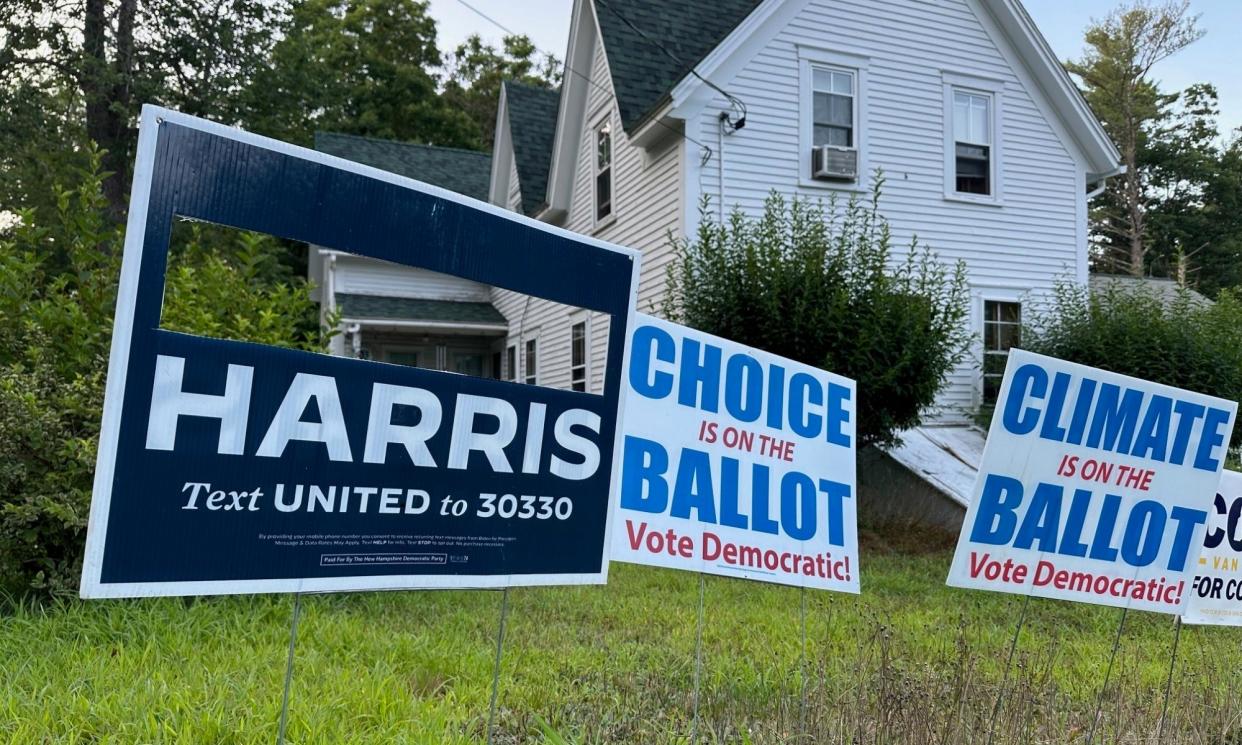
(1116, 77)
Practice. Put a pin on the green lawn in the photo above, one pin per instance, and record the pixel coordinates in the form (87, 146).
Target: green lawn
(908, 661)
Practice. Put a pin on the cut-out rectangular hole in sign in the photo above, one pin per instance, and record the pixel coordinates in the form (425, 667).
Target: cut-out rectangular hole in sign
(242, 285)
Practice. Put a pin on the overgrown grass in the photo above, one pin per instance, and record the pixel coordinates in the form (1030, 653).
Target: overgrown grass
(909, 661)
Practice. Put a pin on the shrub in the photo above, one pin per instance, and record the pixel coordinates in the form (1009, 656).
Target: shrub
(824, 287)
(1180, 340)
(57, 295)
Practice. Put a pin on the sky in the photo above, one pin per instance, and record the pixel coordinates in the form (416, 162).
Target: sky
(1211, 59)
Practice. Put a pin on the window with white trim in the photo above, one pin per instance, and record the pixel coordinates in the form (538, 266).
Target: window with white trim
(972, 143)
(531, 372)
(511, 362)
(578, 356)
(833, 120)
(1002, 330)
(603, 170)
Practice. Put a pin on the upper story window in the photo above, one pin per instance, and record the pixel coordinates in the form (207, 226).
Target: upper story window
(603, 171)
(973, 148)
(832, 117)
(531, 376)
(1002, 330)
(972, 142)
(578, 356)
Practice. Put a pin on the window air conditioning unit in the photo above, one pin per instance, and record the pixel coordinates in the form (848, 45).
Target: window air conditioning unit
(834, 163)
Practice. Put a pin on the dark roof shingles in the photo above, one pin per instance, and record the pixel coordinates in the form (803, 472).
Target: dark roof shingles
(463, 171)
(642, 73)
(417, 309)
(532, 125)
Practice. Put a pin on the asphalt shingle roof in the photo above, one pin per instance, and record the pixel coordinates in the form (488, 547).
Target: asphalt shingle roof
(642, 73)
(1167, 290)
(417, 309)
(532, 125)
(463, 171)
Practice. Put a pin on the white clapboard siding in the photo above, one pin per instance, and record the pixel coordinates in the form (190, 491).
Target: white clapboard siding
(363, 276)
(646, 207)
(514, 201)
(1019, 248)
(1028, 243)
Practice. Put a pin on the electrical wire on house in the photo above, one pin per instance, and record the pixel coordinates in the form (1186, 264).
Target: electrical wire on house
(731, 122)
(706, 151)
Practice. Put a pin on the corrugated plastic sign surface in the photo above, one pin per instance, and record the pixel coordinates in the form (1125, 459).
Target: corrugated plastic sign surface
(229, 467)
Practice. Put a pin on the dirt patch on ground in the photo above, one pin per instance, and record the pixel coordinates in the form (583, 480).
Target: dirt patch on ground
(910, 539)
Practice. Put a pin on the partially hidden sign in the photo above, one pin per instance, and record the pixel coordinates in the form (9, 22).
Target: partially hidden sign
(736, 462)
(1217, 589)
(1094, 487)
(231, 467)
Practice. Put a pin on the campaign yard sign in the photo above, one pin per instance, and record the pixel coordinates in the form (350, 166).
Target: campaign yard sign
(232, 467)
(1216, 596)
(1094, 487)
(736, 462)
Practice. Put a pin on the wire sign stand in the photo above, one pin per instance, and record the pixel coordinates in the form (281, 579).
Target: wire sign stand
(293, 641)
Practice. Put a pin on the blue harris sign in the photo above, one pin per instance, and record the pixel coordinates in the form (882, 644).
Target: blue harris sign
(232, 467)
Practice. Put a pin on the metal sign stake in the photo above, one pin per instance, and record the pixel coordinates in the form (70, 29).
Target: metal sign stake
(698, 661)
(802, 667)
(1168, 685)
(1099, 701)
(293, 641)
(500, 644)
(1013, 645)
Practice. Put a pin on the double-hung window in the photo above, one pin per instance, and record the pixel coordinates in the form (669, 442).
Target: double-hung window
(1002, 330)
(578, 356)
(832, 115)
(603, 171)
(832, 118)
(972, 142)
(531, 376)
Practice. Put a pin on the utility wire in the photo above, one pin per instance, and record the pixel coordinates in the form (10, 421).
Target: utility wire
(733, 123)
(706, 150)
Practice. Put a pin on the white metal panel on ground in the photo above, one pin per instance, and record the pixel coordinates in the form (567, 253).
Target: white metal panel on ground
(946, 457)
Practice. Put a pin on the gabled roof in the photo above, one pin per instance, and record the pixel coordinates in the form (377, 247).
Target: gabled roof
(653, 44)
(532, 126)
(466, 172)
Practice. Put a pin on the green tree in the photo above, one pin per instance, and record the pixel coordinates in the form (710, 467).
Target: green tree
(54, 350)
(84, 71)
(1195, 197)
(362, 67)
(477, 69)
(826, 288)
(1115, 73)
(1184, 342)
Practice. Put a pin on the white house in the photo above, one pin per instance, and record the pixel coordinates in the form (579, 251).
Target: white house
(989, 152)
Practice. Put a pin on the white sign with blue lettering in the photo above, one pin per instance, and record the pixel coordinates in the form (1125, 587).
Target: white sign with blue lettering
(736, 462)
(1094, 487)
(1216, 593)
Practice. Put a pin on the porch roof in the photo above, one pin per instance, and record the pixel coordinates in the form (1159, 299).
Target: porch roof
(379, 308)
